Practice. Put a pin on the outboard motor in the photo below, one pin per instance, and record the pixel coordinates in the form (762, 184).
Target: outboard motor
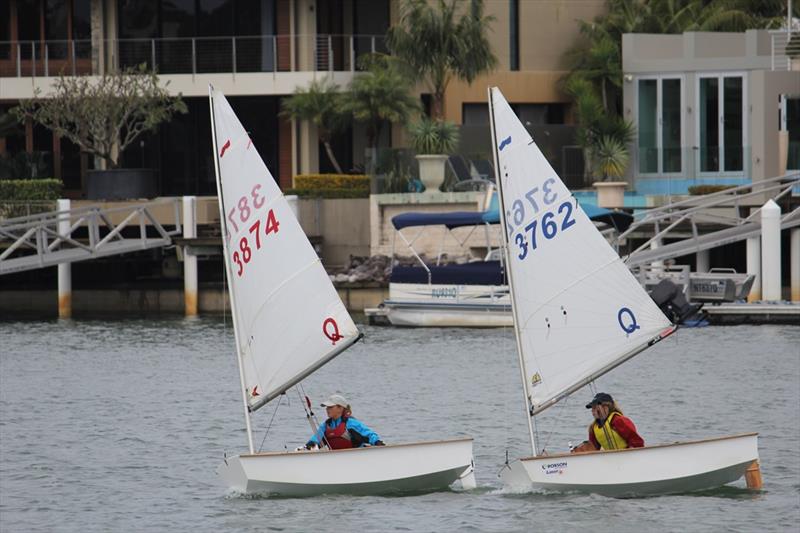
(672, 302)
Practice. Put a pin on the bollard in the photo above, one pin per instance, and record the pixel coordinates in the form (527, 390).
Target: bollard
(703, 261)
(754, 267)
(64, 269)
(771, 252)
(794, 263)
(189, 259)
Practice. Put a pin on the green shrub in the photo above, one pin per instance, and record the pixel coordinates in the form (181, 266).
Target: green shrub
(329, 193)
(342, 182)
(700, 190)
(30, 190)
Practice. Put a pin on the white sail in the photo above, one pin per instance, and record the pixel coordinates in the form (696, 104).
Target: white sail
(578, 309)
(288, 317)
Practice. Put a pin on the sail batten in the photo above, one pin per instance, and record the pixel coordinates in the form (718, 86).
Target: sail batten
(289, 319)
(578, 310)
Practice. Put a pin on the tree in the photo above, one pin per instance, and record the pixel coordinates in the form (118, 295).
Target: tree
(380, 95)
(104, 115)
(322, 104)
(438, 45)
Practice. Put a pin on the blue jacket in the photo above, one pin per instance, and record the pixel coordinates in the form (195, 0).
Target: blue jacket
(359, 432)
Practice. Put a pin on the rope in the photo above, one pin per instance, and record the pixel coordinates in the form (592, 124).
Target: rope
(301, 393)
(550, 434)
(269, 426)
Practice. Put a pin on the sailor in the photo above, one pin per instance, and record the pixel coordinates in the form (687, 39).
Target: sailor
(610, 430)
(341, 430)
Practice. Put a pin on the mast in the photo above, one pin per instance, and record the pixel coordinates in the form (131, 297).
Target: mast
(522, 372)
(228, 272)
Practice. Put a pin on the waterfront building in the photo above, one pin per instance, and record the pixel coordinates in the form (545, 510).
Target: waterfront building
(258, 52)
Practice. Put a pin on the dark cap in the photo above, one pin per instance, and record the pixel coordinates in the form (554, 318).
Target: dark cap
(600, 397)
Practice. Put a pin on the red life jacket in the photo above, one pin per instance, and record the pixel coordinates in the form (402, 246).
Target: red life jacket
(338, 438)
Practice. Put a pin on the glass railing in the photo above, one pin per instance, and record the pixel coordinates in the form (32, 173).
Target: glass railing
(196, 55)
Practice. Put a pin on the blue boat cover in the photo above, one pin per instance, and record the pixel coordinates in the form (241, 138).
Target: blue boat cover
(457, 219)
(477, 273)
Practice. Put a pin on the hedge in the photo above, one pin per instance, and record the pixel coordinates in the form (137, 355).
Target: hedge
(330, 182)
(700, 190)
(328, 193)
(30, 190)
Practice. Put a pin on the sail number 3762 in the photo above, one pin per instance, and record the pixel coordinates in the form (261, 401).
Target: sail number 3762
(242, 212)
(547, 225)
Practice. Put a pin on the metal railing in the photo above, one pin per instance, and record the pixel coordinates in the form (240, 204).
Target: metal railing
(730, 209)
(48, 239)
(193, 55)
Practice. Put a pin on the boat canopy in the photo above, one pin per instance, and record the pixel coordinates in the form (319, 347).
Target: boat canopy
(457, 219)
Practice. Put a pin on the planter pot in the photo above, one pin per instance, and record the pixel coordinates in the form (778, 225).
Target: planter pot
(611, 194)
(121, 184)
(431, 171)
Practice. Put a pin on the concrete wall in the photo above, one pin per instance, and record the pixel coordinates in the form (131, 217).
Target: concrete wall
(343, 225)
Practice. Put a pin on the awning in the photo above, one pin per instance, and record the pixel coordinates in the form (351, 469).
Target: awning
(456, 219)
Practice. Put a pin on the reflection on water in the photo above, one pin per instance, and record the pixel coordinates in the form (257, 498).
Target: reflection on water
(121, 425)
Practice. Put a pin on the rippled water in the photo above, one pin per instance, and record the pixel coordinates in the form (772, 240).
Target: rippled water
(119, 426)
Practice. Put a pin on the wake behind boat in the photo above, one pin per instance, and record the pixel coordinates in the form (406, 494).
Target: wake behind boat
(289, 321)
(578, 313)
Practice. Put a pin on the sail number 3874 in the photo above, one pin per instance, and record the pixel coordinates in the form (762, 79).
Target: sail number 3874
(244, 253)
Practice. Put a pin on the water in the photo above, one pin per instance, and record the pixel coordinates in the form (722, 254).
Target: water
(119, 426)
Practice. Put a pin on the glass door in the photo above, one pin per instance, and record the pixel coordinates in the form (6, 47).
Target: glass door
(721, 127)
(660, 131)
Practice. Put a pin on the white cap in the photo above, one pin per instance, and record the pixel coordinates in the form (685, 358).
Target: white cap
(335, 399)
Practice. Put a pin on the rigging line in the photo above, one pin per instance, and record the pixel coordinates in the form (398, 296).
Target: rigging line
(280, 399)
(301, 391)
(552, 427)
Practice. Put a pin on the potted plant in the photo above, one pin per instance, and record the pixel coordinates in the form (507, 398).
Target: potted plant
(103, 116)
(433, 140)
(610, 159)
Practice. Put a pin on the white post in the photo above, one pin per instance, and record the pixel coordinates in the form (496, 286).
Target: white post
(771, 251)
(294, 205)
(794, 263)
(703, 261)
(189, 259)
(657, 266)
(754, 267)
(64, 269)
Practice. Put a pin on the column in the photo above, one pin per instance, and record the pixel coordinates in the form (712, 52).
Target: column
(794, 264)
(64, 269)
(189, 259)
(771, 251)
(754, 267)
(703, 261)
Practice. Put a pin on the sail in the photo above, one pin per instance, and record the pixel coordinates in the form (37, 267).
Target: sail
(578, 310)
(288, 317)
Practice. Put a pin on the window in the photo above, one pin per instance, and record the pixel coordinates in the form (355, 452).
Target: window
(659, 126)
(721, 124)
(513, 34)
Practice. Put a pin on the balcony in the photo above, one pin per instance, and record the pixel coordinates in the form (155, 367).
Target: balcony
(197, 55)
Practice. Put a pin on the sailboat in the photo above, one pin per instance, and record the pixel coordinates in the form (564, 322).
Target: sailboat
(289, 321)
(578, 313)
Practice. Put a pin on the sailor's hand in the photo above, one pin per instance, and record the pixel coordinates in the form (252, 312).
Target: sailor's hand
(312, 446)
(379, 443)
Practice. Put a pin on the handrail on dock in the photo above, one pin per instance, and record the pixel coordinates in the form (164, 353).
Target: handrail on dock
(39, 240)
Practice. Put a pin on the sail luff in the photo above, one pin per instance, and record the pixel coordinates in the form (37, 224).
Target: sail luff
(498, 181)
(228, 273)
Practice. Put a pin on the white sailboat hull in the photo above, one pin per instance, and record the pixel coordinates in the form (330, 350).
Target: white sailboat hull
(424, 466)
(649, 471)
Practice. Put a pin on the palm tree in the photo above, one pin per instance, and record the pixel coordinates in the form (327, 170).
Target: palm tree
(380, 95)
(438, 45)
(322, 104)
